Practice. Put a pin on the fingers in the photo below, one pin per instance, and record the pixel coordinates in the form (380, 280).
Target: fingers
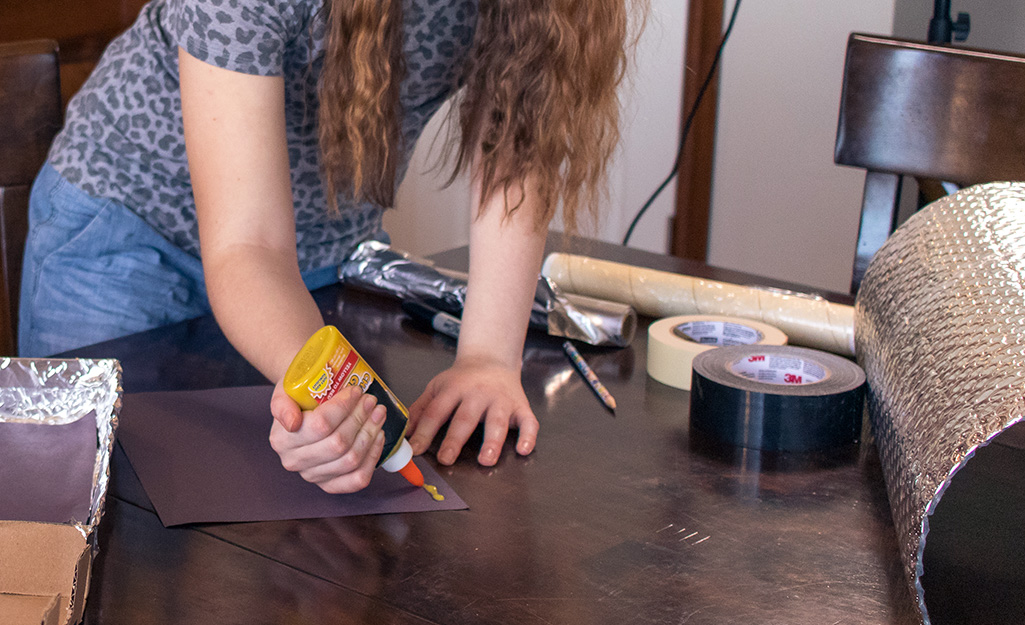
(345, 446)
(358, 478)
(316, 424)
(285, 410)
(416, 409)
(464, 422)
(432, 412)
(467, 395)
(496, 428)
(528, 427)
(338, 444)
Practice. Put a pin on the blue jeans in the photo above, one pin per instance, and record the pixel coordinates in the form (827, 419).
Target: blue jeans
(94, 271)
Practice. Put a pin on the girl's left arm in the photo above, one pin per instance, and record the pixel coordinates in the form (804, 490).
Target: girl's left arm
(484, 382)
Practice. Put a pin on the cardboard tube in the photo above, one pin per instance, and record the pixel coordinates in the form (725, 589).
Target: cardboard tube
(806, 319)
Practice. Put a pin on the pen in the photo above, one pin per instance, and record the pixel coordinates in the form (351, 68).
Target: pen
(439, 320)
(589, 375)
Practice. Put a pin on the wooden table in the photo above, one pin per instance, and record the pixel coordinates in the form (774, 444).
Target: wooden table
(618, 519)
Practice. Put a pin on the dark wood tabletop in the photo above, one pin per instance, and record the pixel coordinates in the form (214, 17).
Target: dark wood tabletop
(615, 518)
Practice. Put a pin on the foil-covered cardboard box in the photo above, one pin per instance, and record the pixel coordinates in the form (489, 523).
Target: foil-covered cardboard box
(57, 424)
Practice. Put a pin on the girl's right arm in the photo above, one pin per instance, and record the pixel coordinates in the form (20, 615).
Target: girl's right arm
(238, 159)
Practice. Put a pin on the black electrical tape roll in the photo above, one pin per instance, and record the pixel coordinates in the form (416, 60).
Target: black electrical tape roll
(777, 398)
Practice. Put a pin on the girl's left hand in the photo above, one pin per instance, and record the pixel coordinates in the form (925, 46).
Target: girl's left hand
(474, 389)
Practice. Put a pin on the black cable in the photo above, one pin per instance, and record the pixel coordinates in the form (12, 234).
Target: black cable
(686, 126)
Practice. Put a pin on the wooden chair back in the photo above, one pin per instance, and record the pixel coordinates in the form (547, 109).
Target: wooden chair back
(30, 116)
(933, 112)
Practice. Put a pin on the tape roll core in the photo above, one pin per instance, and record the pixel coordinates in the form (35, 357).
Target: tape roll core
(674, 342)
(777, 398)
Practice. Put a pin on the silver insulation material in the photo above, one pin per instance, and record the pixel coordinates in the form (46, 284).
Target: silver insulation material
(939, 331)
(60, 391)
(377, 267)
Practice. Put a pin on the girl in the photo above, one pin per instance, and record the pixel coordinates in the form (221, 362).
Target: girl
(228, 155)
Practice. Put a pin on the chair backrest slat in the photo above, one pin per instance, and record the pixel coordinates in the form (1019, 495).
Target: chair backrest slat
(30, 116)
(933, 112)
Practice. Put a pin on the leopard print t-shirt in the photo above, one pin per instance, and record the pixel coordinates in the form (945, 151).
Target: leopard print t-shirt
(123, 136)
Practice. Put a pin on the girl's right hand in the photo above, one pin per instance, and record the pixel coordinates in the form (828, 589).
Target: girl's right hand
(336, 445)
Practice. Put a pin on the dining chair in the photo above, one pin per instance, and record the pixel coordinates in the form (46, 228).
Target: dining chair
(933, 112)
(30, 115)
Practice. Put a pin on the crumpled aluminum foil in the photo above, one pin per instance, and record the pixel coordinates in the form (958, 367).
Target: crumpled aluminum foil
(939, 333)
(377, 267)
(60, 391)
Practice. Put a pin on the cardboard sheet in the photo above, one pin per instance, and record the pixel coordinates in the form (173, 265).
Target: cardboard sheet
(203, 456)
(46, 471)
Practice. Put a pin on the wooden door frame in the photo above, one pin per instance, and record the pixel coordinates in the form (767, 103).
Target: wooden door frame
(694, 180)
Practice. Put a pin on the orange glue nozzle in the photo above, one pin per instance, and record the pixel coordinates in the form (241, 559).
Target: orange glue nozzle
(412, 474)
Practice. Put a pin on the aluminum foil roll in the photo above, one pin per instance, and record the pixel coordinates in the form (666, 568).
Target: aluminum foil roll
(940, 332)
(55, 392)
(377, 267)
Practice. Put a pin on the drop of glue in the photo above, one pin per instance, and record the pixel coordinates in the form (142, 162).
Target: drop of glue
(433, 490)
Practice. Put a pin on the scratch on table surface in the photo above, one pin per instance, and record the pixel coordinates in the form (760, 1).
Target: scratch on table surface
(806, 584)
(538, 599)
(686, 617)
(536, 615)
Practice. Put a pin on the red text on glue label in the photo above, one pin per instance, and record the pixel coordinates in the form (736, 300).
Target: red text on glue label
(342, 368)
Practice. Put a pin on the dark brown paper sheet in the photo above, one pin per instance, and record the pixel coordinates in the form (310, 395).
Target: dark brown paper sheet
(204, 457)
(46, 471)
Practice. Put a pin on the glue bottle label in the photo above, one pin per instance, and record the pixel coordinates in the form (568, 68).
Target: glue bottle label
(325, 364)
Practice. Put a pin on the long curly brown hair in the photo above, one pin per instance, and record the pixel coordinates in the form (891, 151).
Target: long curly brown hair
(538, 102)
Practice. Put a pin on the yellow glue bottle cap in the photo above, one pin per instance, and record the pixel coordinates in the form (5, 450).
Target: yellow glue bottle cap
(309, 367)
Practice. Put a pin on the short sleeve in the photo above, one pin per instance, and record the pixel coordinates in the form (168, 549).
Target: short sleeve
(247, 36)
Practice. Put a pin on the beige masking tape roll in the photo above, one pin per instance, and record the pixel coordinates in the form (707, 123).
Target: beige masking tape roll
(673, 342)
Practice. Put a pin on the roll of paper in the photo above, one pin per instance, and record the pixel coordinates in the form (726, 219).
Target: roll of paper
(806, 319)
(674, 342)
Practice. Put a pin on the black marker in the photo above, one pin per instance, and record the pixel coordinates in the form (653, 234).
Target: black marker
(439, 320)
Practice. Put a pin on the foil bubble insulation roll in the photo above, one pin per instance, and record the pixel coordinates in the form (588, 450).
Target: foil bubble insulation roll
(54, 392)
(379, 268)
(940, 333)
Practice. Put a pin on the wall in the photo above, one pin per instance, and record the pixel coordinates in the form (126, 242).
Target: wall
(429, 219)
(780, 207)
(996, 24)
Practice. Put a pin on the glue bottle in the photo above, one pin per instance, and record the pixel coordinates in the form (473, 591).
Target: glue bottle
(325, 364)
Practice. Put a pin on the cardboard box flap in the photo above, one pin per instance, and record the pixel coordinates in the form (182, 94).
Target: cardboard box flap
(57, 424)
(30, 609)
(46, 559)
